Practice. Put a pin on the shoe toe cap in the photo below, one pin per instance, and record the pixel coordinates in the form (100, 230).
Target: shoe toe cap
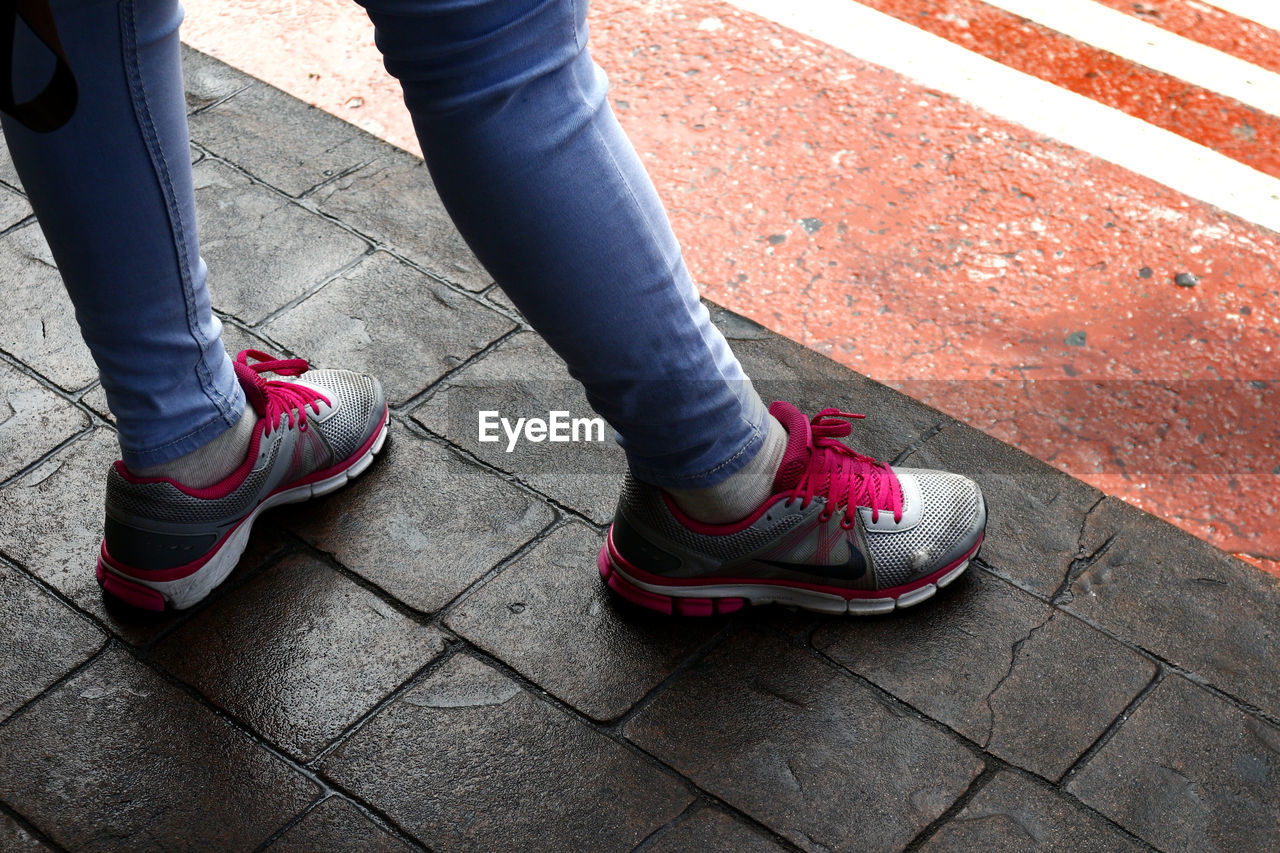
(943, 518)
(358, 405)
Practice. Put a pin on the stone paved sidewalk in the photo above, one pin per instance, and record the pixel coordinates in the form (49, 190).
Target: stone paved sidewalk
(427, 659)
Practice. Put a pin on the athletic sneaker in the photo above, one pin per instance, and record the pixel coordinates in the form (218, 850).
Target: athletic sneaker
(842, 533)
(169, 544)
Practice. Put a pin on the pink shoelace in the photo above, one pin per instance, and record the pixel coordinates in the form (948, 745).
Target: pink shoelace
(272, 398)
(841, 475)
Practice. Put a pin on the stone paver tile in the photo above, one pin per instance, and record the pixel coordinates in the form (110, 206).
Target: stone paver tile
(281, 140)
(41, 642)
(394, 201)
(496, 295)
(96, 399)
(38, 325)
(8, 174)
(388, 319)
(299, 653)
(336, 824)
(523, 378)
(467, 760)
(1184, 600)
(15, 839)
(784, 370)
(53, 529)
(263, 251)
(549, 616)
(1189, 771)
(994, 663)
(234, 339)
(33, 421)
(712, 831)
(207, 80)
(793, 743)
(1013, 813)
(119, 759)
(422, 523)
(1034, 512)
(13, 206)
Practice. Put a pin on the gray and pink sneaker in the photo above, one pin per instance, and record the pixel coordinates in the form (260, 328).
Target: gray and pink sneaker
(842, 533)
(167, 544)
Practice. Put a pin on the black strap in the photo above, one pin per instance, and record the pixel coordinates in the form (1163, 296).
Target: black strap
(52, 107)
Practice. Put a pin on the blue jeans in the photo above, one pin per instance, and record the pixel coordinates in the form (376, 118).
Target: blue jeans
(526, 154)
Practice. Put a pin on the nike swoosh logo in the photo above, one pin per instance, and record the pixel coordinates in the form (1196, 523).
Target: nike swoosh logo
(851, 569)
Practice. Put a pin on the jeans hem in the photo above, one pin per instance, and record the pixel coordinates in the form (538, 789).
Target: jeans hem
(194, 440)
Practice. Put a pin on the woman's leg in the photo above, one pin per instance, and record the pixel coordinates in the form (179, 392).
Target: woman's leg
(206, 443)
(540, 180)
(528, 158)
(112, 190)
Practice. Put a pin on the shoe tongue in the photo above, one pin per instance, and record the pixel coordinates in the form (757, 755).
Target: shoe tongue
(795, 459)
(254, 387)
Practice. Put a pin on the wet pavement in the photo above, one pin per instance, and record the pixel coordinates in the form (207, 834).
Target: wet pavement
(427, 659)
(1083, 311)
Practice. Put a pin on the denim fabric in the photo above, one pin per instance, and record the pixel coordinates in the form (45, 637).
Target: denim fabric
(531, 163)
(113, 193)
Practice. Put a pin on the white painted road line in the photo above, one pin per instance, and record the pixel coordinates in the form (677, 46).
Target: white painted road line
(1160, 50)
(1104, 132)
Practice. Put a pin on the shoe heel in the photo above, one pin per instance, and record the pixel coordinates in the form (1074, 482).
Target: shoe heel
(133, 594)
(667, 604)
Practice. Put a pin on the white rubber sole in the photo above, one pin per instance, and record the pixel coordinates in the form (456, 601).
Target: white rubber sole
(186, 592)
(805, 599)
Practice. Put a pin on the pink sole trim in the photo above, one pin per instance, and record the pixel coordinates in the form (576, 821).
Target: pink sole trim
(670, 605)
(114, 576)
(131, 593)
(618, 573)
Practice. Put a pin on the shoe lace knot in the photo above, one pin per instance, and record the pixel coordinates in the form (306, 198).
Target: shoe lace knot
(273, 399)
(843, 476)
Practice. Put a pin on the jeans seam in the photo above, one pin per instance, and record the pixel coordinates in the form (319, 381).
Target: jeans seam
(150, 138)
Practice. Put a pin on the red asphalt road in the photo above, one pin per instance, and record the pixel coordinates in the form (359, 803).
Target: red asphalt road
(1017, 283)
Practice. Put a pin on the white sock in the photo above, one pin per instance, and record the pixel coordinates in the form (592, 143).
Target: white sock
(212, 462)
(744, 491)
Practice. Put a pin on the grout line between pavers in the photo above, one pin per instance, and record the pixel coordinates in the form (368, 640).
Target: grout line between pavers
(448, 651)
(961, 802)
(58, 448)
(734, 625)
(377, 820)
(538, 692)
(446, 610)
(343, 173)
(325, 784)
(368, 814)
(514, 479)
(238, 578)
(259, 328)
(990, 760)
(293, 821)
(420, 397)
(1114, 726)
(217, 102)
(21, 223)
(56, 685)
(29, 827)
(459, 644)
